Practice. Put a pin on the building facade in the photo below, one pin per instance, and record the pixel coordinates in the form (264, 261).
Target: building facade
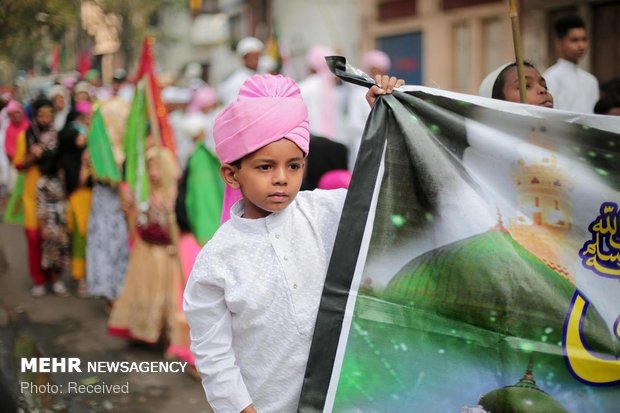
(453, 44)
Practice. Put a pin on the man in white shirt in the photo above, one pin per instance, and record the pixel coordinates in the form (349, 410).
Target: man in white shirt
(572, 88)
(250, 50)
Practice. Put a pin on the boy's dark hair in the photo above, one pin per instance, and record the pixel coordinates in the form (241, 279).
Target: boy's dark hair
(611, 88)
(566, 24)
(605, 104)
(41, 102)
(498, 87)
(237, 163)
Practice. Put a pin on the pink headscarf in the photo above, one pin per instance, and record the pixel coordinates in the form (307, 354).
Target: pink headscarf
(205, 96)
(267, 109)
(14, 129)
(14, 106)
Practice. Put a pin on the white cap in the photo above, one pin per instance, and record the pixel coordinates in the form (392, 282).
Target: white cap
(57, 90)
(193, 124)
(249, 44)
(486, 87)
(82, 87)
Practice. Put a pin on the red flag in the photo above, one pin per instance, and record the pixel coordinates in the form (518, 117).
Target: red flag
(55, 58)
(155, 107)
(83, 63)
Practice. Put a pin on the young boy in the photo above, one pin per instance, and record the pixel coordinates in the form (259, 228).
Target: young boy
(253, 295)
(574, 89)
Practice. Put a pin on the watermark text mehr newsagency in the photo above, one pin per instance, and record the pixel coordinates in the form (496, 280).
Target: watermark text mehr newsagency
(75, 365)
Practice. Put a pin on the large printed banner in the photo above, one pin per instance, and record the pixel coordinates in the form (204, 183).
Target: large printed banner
(477, 264)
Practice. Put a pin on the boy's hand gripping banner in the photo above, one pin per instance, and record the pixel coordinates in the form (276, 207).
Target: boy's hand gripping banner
(477, 264)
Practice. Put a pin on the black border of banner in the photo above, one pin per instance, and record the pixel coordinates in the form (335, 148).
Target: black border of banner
(340, 272)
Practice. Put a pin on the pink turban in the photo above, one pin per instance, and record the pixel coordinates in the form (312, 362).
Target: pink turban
(378, 59)
(315, 58)
(267, 109)
(205, 96)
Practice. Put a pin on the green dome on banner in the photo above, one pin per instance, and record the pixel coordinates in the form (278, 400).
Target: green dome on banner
(490, 281)
(522, 397)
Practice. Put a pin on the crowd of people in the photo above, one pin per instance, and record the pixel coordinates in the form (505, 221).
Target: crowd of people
(138, 253)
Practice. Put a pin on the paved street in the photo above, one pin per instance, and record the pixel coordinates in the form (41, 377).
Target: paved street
(74, 327)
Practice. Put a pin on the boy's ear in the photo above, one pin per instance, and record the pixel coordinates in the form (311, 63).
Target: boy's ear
(228, 173)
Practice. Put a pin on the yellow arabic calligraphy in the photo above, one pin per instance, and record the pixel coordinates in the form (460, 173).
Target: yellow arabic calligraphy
(602, 253)
(584, 364)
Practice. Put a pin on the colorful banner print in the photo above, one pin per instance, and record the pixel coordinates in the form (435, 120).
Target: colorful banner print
(474, 268)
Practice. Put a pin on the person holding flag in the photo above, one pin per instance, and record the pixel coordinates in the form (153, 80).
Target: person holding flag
(146, 309)
(254, 292)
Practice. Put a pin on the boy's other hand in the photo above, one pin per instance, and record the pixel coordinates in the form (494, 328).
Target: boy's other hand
(249, 409)
(385, 85)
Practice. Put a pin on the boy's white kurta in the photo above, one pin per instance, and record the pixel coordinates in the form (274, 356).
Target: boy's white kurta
(252, 301)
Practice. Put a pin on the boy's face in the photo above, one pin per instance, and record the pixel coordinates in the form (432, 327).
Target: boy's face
(250, 60)
(45, 116)
(615, 111)
(59, 102)
(269, 178)
(573, 46)
(535, 85)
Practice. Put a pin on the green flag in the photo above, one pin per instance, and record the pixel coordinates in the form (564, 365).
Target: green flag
(205, 193)
(135, 145)
(14, 213)
(100, 151)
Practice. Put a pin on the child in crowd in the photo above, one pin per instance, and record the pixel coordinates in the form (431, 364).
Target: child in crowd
(503, 84)
(146, 309)
(253, 295)
(608, 105)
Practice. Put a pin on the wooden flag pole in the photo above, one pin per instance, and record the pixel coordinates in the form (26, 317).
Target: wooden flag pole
(516, 38)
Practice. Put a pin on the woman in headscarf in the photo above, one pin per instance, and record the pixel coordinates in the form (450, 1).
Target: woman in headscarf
(147, 307)
(78, 187)
(18, 123)
(59, 95)
(44, 201)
